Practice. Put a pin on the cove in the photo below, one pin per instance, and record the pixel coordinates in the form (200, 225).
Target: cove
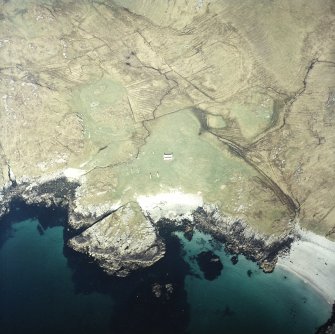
(47, 288)
(243, 299)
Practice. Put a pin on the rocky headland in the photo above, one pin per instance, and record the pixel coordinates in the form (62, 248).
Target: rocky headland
(142, 115)
(127, 238)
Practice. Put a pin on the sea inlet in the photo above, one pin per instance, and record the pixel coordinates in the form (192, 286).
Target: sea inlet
(197, 288)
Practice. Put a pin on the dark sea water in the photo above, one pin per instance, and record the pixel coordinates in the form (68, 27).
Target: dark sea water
(47, 288)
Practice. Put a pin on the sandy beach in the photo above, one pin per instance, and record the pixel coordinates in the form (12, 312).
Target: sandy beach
(73, 173)
(312, 258)
(172, 205)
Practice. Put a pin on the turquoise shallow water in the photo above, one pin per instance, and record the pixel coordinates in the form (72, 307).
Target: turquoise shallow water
(43, 289)
(275, 303)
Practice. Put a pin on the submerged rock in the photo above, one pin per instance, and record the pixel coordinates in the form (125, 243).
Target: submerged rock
(234, 259)
(162, 290)
(210, 264)
(157, 290)
(239, 238)
(121, 242)
(59, 191)
(188, 233)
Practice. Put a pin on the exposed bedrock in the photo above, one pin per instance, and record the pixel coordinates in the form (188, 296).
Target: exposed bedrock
(127, 240)
(57, 191)
(240, 238)
(97, 91)
(121, 242)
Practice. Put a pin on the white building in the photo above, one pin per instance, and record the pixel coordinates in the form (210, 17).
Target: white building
(168, 156)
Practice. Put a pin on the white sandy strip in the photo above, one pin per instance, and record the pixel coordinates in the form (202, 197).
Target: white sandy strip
(172, 205)
(73, 173)
(313, 259)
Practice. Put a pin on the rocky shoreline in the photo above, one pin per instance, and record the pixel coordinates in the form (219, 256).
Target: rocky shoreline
(122, 242)
(108, 238)
(119, 246)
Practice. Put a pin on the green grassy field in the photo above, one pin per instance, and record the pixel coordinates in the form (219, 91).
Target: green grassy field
(200, 165)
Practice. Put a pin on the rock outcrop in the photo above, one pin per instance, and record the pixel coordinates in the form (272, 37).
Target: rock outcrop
(122, 242)
(126, 239)
(93, 93)
(239, 238)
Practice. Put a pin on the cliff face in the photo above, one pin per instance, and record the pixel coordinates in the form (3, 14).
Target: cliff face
(94, 93)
